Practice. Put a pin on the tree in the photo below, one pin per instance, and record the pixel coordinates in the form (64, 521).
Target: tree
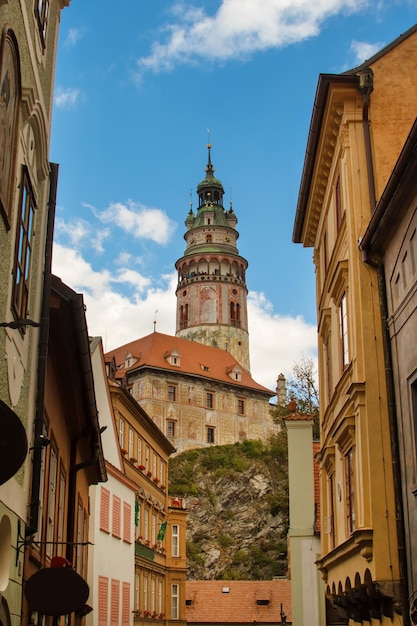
(302, 387)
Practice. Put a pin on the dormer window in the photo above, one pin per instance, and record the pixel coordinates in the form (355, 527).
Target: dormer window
(205, 368)
(129, 360)
(235, 373)
(174, 358)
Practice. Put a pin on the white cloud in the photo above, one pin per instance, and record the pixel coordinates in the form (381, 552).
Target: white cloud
(276, 342)
(364, 51)
(239, 28)
(139, 220)
(66, 98)
(73, 36)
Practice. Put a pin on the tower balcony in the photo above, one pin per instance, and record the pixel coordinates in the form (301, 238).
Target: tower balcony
(194, 277)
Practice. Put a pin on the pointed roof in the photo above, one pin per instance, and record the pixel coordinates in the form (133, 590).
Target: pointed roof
(210, 180)
(195, 359)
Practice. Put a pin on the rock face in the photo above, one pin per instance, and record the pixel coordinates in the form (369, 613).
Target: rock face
(238, 510)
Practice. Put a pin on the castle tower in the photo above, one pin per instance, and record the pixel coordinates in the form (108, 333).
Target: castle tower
(211, 292)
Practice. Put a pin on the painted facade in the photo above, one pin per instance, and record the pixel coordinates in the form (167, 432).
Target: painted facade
(359, 124)
(28, 42)
(197, 395)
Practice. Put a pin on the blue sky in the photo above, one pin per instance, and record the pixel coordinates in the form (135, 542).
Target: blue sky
(136, 89)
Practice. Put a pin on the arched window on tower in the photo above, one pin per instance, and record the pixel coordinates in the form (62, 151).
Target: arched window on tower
(209, 239)
(234, 314)
(184, 316)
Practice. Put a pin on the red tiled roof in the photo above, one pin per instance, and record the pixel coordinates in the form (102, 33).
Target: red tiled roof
(195, 359)
(208, 601)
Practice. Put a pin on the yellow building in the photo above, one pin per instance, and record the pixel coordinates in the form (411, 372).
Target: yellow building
(360, 121)
(160, 520)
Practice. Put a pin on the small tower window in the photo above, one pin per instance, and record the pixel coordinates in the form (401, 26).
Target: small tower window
(208, 238)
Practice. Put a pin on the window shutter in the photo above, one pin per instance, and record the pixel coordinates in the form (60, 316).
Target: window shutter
(114, 614)
(125, 604)
(104, 510)
(116, 517)
(103, 598)
(127, 522)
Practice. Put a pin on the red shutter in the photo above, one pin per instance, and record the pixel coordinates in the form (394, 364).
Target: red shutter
(125, 604)
(114, 611)
(103, 599)
(127, 522)
(116, 516)
(104, 510)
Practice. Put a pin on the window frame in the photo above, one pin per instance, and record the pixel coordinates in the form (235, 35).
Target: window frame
(343, 331)
(175, 540)
(23, 248)
(172, 393)
(240, 406)
(210, 434)
(42, 15)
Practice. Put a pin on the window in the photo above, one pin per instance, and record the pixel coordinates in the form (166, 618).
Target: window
(153, 593)
(139, 451)
(115, 599)
(328, 365)
(160, 597)
(50, 522)
(171, 393)
(175, 540)
(146, 524)
(414, 413)
(39, 535)
(10, 100)
(344, 332)
(103, 596)
(350, 492)
(174, 601)
(209, 400)
(183, 316)
(41, 12)
(131, 455)
(125, 604)
(105, 510)
(122, 433)
(116, 521)
(153, 529)
(61, 511)
(127, 522)
(234, 314)
(331, 496)
(21, 269)
(136, 599)
(338, 200)
(210, 434)
(170, 428)
(145, 593)
(241, 407)
(154, 464)
(147, 452)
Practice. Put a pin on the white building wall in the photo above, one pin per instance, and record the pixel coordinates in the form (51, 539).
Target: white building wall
(111, 558)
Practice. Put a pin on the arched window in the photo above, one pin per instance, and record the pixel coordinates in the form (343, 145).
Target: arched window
(9, 105)
(208, 239)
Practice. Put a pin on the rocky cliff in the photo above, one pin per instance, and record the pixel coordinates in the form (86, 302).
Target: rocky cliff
(237, 499)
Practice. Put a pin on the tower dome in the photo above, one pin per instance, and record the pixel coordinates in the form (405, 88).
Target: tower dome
(211, 291)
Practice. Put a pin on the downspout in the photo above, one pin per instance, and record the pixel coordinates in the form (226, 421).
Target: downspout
(38, 444)
(365, 87)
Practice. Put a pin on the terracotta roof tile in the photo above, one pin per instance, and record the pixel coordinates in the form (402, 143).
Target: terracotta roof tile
(195, 358)
(208, 602)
